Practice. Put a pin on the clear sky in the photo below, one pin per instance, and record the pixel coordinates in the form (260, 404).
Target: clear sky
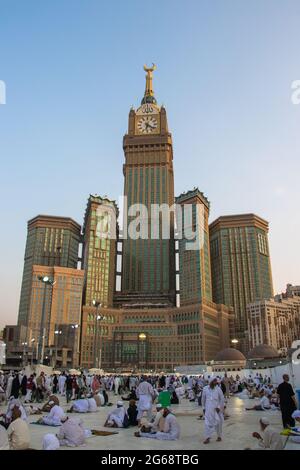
(73, 68)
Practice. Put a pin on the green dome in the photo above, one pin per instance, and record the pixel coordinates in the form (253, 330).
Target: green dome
(148, 99)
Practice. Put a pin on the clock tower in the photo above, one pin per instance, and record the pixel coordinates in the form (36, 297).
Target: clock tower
(148, 271)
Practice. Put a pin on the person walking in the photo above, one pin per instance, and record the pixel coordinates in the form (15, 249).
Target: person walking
(287, 401)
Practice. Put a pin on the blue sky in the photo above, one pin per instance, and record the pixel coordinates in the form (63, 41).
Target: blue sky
(224, 72)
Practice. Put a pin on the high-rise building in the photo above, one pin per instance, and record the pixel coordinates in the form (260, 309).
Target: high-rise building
(241, 268)
(194, 254)
(52, 306)
(149, 262)
(51, 241)
(99, 251)
(274, 323)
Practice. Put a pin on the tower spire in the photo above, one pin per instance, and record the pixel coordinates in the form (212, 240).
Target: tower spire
(149, 93)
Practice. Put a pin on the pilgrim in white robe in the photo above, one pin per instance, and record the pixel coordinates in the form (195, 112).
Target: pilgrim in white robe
(171, 430)
(61, 384)
(271, 439)
(50, 442)
(213, 398)
(71, 433)
(116, 417)
(145, 394)
(81, 405)
(54, 416)
(92, 405)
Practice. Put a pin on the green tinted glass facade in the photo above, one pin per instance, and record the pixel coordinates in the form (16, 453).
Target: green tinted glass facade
(241, 270)
(51, 241)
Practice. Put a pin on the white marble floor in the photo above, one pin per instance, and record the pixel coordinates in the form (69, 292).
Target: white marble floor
(237, 434)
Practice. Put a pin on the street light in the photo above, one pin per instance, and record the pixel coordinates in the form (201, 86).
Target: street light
(56, 333)
(32, 350)
(24, 344)
(97, 361)
(234, 341)
(50, 282)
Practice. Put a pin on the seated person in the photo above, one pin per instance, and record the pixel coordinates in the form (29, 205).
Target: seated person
(7, 417)
(47, 406)
(92, 405)
(50, 442)
(269, 437)
(79, 406)
(71, 432)
(99, 399)
(296, 417)
(131, 396)
(174, 399)
(263, 405)
(115, 418)
(171, 429)
(4, 444)
(18, 431)
(54, 416)
(157, 423)
(132, 413)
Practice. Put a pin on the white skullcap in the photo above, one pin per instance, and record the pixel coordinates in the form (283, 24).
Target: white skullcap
(296, 414)
(158, 405)
(120, 403)
(264, 421)
(51, 402)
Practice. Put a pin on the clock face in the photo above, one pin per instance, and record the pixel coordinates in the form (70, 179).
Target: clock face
(147, 124)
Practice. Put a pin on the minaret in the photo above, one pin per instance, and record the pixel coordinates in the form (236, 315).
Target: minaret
(148, 273)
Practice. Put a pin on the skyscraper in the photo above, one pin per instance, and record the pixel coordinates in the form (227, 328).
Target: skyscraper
(99, 250)
(241, 268)
(194, 263)
(149, 261)
(51, 241)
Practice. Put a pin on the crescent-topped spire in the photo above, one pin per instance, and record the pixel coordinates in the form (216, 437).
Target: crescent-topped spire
(149, 93)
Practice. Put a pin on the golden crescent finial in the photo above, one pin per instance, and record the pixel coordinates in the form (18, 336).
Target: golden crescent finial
(150, 69)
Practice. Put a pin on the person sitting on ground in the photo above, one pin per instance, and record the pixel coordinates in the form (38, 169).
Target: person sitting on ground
(263, 405)
(18, 431)
(157, 423)
(54, 416)
(47, 406)
(50, 442)
(174, 399)
(132, 413)
(116, 417)
(99, 399)
(296, 417)
(4, 444)
(71, 432)
(269, 437)
(7, 417)
(171, 431)
(131, 396)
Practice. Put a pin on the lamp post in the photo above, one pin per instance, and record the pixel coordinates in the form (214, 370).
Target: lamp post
(48, 282)
(56, 333)
(24, 344)
(32, 350)
(75, 345)
(98, 317)
(234, 341)
(142, 338)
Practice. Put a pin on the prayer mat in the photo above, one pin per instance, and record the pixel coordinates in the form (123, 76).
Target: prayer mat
(48, 425)
(95, 432)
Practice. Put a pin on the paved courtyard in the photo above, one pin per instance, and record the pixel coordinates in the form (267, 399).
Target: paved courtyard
(237, 429)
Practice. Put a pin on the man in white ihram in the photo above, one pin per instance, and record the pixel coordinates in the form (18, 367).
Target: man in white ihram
(145, 394)
(213, 407)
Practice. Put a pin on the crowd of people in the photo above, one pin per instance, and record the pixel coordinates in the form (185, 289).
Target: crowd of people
(151, 405)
